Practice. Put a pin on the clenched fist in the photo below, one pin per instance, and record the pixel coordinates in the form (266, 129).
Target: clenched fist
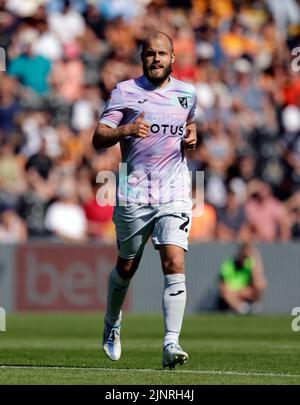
(138, 128)
(190, 139)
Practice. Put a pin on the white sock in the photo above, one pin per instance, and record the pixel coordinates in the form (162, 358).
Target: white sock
(117, 289)
(173, 306)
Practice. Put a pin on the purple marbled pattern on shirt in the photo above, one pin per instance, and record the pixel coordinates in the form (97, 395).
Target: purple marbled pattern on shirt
(160, 155)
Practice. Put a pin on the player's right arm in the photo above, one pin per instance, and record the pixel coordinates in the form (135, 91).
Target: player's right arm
(105, 136)
(109, 131)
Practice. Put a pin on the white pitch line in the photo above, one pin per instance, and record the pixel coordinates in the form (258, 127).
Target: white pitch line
(149, 370)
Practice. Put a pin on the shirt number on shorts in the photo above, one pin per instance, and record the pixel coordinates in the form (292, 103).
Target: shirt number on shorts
(184, 225)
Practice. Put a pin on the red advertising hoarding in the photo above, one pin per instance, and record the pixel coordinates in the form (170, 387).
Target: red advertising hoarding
(62, 277)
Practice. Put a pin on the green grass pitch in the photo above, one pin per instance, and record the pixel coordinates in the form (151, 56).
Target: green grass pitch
(64, 348)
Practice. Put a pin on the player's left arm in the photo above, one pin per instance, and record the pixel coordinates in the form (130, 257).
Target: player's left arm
(190, 139)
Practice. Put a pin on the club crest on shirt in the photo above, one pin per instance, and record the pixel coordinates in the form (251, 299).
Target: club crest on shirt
(183, 101)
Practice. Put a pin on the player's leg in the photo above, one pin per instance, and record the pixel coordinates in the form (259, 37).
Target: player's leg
(174, 298)
(132, 234)
(118, 284)
(170, 236)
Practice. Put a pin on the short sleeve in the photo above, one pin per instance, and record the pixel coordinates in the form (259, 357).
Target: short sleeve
(112, 113)
(192, 112)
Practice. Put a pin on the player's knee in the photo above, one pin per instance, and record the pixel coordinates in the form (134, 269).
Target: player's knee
(173, 265)
(127, 267)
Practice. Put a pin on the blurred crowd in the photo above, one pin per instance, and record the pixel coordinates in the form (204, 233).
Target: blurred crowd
(64, 57)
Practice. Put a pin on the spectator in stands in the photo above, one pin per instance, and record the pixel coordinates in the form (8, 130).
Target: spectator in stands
(40, 161)
(232, 225)
(65, 218)
(99, 217)
(291, 143)
(33, 203)
(233, 40)
(31, 70)
(296, 223)
(246, 89)
(218, 152)
(12, 228)
(67, 24)
(242, 281)
(246, 166)
(66, 78)
(204, 219)
(266, 215)
(9, 107)
(11, 170)
(293, 206)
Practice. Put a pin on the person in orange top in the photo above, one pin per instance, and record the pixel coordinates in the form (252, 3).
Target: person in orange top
(204, 222)
(233, 42)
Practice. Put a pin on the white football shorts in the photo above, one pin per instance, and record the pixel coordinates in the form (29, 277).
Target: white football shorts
(167, 224)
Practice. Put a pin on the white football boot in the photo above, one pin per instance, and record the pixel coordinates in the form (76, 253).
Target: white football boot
(172, 355)
(111, 342)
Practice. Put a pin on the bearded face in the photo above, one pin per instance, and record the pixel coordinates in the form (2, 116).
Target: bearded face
(157, 59)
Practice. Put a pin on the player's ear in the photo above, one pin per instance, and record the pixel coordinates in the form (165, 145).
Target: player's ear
(172, 57)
